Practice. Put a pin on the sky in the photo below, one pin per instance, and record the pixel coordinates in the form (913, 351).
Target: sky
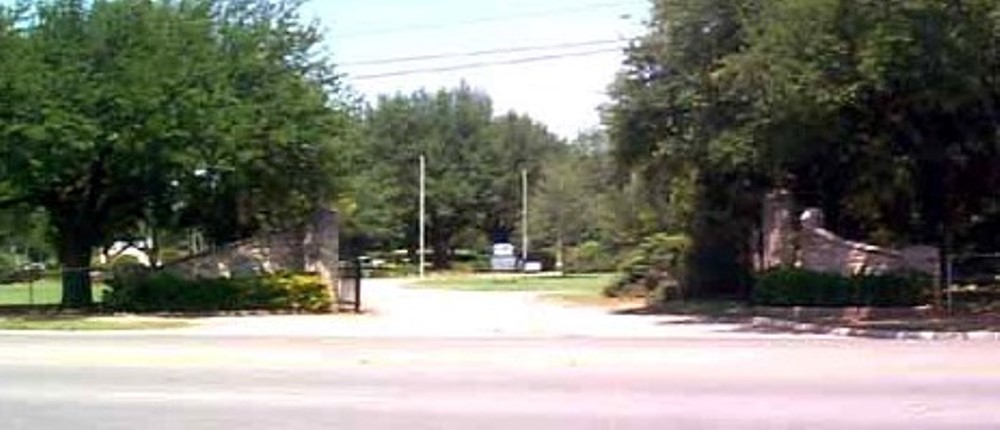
(563, 93)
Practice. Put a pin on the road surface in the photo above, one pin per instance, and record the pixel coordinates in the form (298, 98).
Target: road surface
(532, 370)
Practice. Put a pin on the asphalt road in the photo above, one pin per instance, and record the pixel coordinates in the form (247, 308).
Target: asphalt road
(184, 382)
(426, 359)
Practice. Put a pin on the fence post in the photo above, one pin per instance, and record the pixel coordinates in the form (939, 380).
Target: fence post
(948, 277)
(357, 284)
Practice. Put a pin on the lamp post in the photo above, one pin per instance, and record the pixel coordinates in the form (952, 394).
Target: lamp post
(524, 216)
(423, 205)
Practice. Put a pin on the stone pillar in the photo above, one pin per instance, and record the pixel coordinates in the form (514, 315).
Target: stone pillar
(778, 230)
(322, 247)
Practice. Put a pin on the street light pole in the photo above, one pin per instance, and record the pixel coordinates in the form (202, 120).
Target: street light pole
(423, 198)
(524, 216)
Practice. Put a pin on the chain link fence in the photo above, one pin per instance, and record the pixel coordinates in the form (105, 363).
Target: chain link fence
(973, 283)
(35, 285)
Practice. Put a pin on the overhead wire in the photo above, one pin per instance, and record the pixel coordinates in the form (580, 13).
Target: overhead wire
(479, 53)
(604, 46)
(478, 65)
(510, 17)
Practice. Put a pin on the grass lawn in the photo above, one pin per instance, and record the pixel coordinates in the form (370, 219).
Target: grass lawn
(78, 323)
(587, 289)
(46, 292)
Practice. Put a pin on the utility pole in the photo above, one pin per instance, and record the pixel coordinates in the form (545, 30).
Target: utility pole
(524, 216)
(423, 205)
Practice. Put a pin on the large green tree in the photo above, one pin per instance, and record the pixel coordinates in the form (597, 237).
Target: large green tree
(115, 113)
(451, 130)
(885, 114)
(474, 164)
(882, 113)
(518, 144)
(578, 199)
(679, 129)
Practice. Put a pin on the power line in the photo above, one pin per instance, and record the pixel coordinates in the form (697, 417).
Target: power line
(481, 52)
(536, 14)
(483, 64)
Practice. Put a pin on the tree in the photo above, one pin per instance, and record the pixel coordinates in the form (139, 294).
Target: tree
(882, 113)
(474, 164)
(517, 143)
(122, 112)
(562, 208)
(899, 101)
(683, 133)
(24, 239)
(451, 129)
(578, 199)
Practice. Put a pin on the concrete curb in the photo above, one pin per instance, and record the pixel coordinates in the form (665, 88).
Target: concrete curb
(798, 327)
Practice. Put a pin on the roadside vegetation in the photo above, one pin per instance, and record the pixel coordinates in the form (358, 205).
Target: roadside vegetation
(76, 323)
(164, 292)
(158, 122)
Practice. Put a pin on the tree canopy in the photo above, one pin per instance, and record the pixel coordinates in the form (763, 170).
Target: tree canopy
(884, 114)
(117, 113)
(474, 164)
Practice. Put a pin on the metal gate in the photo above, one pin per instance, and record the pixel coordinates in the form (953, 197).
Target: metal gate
(349, 286)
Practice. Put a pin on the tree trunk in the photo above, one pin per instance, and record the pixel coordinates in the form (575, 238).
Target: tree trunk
(559, 251)
(74, 255)
(442, 255)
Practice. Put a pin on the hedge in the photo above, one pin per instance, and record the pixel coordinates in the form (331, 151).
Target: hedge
(165, 292)
(798, 287)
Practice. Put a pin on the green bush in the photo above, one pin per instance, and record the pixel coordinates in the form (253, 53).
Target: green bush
(798, 287)
(470, 263)
(588, 257)
(126, 266)
(165, 292)
(652, 268)
(905, 289)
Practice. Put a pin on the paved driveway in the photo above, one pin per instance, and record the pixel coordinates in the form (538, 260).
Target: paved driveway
(393, 310)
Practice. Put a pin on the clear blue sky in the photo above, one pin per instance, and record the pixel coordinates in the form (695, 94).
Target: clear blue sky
(562, 93)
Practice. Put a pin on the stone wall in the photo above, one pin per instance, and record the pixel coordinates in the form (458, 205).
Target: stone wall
(311, 248)
(813, 247)
(777, 229)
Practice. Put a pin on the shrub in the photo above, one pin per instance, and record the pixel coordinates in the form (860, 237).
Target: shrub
(799, 287)
(896, 289)
(126, 266)
(164, 291)
(652, 268)
(588, 257)
(471, 264)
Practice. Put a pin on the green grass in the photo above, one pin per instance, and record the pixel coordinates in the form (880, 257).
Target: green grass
(587, 285)
(77, 323)
(46, 292)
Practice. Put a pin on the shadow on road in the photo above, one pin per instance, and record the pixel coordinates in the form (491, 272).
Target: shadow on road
(809, 321)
